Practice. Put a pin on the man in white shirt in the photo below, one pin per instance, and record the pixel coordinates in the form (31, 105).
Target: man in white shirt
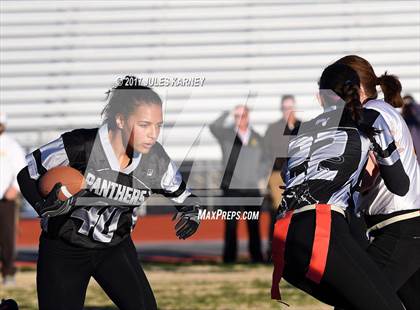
(12, 160)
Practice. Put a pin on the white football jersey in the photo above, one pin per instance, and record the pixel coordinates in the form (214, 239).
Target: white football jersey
(379, 200)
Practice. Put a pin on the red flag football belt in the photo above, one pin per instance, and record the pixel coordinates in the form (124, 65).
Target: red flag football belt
(319, 247)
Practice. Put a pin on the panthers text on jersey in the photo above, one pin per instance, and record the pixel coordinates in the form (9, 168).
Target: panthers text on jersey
(115, 195)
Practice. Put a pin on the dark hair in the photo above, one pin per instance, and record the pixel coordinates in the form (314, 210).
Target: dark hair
(390, 84)
(345, 82)
(126, 97)
(287, 97)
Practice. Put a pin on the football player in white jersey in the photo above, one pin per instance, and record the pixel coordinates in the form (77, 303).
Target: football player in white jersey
(393, 221)
(312, 244)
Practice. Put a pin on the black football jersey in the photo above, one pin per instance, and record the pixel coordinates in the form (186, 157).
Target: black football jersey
(109, 210)
(327, 157)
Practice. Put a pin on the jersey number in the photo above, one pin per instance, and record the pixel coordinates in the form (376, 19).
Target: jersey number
(102, 222)
(309, 156)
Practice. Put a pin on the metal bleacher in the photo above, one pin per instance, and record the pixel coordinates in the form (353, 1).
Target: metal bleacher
(59, 57)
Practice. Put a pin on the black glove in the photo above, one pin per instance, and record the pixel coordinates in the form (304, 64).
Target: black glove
(52, 206)
(188, 221)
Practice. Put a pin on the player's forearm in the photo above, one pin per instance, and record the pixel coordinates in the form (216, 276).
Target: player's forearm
(395, 178)
(216, 128)
(28, 187)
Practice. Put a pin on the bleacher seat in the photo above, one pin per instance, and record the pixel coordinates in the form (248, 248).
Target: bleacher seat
(57, 59)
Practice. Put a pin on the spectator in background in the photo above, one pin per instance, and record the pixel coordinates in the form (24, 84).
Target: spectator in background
(411, 114)
(276, 142)
(241, 150)
(12, 160)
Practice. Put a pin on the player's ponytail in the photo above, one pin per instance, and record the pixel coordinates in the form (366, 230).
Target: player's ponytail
(354, 106)
(391, 87)
(345, 83)
(350, 94)
(125, 96)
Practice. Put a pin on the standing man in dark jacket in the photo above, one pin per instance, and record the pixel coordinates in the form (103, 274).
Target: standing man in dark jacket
(276, 142)
(241, 151)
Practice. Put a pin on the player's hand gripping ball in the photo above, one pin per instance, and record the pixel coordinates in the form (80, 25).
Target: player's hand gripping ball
(72, 181)
(60, 187)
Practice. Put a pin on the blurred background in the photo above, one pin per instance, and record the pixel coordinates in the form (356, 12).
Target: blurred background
(58, 58)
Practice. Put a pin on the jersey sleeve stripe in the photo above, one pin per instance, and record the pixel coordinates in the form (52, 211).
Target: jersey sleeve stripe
(390, 159)
(172, 179)
(173, 186)
(32, 166)
(54, 154)
(46, 157)
(390, 149)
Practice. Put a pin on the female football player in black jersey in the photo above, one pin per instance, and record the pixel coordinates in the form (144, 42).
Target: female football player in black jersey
(312, 245)
(123, 164)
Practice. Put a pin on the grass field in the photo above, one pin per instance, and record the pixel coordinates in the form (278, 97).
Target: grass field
(189, 287)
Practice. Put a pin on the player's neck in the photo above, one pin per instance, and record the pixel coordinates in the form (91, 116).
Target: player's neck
(363, 95)
(122, 151)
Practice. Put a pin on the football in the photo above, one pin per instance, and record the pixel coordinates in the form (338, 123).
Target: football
(71, 179)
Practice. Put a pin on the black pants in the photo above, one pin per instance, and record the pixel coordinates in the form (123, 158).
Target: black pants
(351, 279)
(230, 250)
(8, 214)
(64, 271)
(396, 250)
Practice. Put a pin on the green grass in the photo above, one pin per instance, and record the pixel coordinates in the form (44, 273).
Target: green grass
(188, 287)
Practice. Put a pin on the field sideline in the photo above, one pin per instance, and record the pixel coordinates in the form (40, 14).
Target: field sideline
(188, 287)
